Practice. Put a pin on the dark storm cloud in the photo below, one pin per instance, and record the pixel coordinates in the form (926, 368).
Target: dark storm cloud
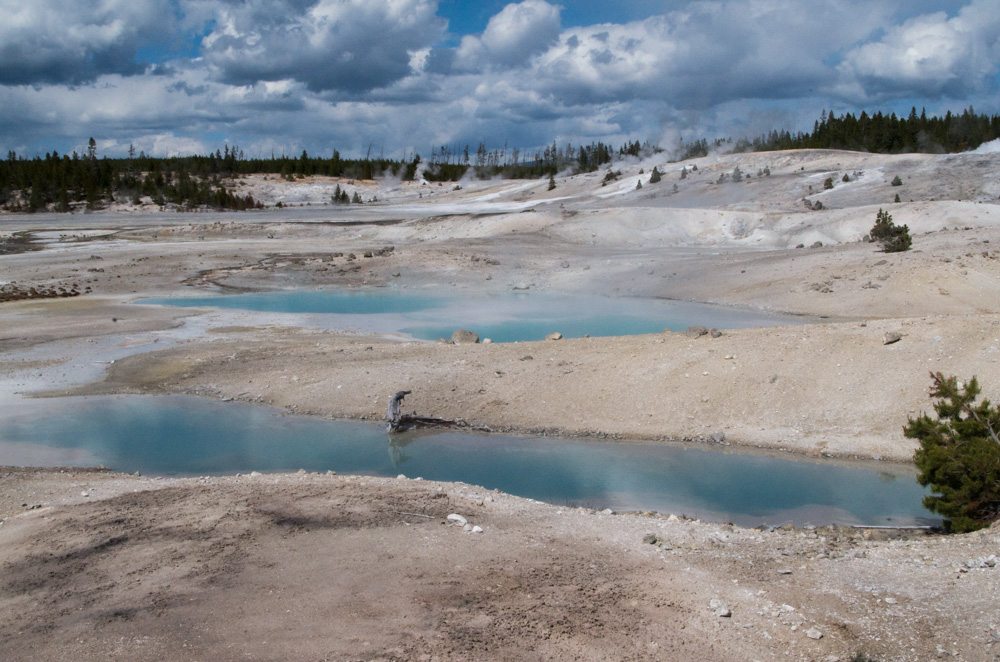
(72, 42)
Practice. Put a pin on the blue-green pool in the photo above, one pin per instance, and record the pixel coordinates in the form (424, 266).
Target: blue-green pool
(500, 317)
(161, 435)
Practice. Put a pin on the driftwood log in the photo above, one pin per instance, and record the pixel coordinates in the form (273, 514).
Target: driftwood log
(398, 421)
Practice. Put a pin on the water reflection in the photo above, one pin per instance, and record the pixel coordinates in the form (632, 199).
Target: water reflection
(500, 317)
(181, 435)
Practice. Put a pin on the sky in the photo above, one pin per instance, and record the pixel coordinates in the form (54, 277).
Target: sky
(398, 77)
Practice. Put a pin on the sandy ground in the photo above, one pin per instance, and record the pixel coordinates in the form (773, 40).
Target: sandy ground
(331, 567)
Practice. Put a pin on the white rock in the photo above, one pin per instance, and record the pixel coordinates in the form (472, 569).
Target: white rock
(85, 494)
(715, 603)
(467, 528)
(457, 519)
(673, 518)
(477, 529)
(607, 511)
(401, 477)
(724, 612)
(788, 608)
(813, 633)
(890, 601)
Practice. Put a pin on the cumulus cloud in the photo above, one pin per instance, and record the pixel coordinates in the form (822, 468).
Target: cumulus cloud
(287, 75)
(68, 41)
(512, 37)
(348, 45)
(704, 54)
(929, 55)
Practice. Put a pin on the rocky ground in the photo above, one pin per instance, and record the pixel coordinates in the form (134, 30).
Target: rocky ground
(99, 565)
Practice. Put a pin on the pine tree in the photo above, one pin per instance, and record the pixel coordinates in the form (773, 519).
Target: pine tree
(655, 176)
(959, 455)
(894, 238)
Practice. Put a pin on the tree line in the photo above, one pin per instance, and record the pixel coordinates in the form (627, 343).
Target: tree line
(886, 134)
(65, 182)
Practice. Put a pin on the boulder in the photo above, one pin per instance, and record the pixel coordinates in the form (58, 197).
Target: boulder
(554, 336)
(696, 331)
(463, 337)
(891, 337)
(715, 333)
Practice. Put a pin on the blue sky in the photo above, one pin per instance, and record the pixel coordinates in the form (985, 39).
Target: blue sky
(183, 76)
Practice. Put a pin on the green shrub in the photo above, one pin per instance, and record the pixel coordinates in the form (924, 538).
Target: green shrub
(896, 181)
(894, 238)
(959, 455)
(828, 183)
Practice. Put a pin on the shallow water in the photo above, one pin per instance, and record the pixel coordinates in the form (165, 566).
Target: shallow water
(162, 435)
(501, 317)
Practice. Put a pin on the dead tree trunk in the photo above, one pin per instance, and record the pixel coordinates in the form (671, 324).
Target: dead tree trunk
(395, 415)
(398, 421)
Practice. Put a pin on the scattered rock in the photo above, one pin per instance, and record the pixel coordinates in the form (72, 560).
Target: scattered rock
(457, 519)
(891, 337)
(554, 336)
(696, 331)
(487, 341)
(813, 633)
(715, 333)
(464, 337)
(719, 608)
(649, 539)
(477, 529)
(817, 244)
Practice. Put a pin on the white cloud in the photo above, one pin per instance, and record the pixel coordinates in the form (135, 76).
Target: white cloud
(348, 45)
(930, 55)
(518, 32)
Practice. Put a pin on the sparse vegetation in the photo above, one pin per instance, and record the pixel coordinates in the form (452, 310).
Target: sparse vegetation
(552, 182)
(896, 181)
(959, 454)
(894, 238)
(655, 176)
(828, 183)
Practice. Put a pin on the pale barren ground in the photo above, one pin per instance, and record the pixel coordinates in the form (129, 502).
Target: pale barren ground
(331, 567)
